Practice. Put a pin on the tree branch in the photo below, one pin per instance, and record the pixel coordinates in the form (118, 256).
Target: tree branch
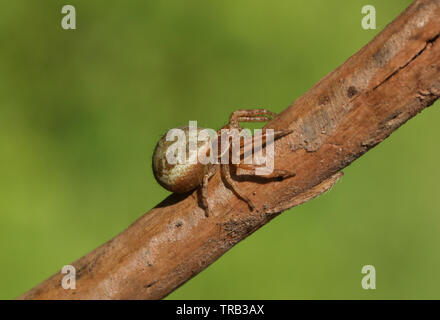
(345, 114)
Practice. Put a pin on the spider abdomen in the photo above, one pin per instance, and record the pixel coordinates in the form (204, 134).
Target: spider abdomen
(179, 177)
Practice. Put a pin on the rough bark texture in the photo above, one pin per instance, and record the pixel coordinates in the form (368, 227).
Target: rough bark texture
(345, 114)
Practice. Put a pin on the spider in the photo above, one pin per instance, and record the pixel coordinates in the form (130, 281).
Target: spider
(185, 177)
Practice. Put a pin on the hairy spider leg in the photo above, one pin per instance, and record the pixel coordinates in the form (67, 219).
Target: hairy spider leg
(254, 115)
(204, 193)
(251, 171)
(251, 115)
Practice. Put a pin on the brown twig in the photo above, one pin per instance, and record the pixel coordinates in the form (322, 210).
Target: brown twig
(345, 114)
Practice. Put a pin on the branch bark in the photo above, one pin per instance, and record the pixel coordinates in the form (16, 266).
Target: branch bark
(349, 111)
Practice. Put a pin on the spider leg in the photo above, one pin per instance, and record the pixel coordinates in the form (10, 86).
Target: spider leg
(246, 144)
(250, 115)
(204, 194)
(250, 169)
(225, 172)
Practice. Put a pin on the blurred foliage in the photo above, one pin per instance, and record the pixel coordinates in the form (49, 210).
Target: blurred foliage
(81, 111)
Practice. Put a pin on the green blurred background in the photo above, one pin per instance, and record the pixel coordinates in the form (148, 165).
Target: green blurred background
(81, 111)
